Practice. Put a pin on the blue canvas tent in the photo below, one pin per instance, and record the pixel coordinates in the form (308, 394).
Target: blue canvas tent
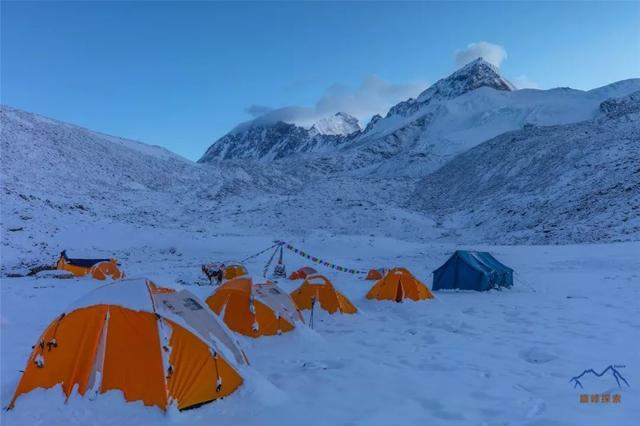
(472, 270)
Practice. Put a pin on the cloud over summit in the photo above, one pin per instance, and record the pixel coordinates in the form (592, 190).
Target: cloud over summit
(372, 96)
(492, 53)
(257, 110)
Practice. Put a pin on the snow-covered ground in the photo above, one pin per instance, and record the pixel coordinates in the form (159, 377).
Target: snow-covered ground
(501, 357)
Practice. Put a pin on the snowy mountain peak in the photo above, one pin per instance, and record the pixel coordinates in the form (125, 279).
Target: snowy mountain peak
(340, 123)
(278, 140)
(272, 141)
(475, 74)
(479, 63)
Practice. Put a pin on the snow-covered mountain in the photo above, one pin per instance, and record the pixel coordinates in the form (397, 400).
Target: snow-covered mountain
(474, 75)
(456, 113)
(573, 182)
(339, 124)
(265, 141)
(417, 136)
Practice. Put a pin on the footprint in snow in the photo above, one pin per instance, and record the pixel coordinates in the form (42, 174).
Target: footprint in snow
(322, 365)
(536, 356)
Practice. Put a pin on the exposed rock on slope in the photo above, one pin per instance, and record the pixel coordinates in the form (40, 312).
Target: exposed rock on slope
(618, 107)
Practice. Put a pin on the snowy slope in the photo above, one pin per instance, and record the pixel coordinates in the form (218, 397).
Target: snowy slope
(58, 177)
(616, 90)
(576, 182)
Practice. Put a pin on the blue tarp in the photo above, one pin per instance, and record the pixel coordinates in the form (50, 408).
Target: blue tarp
(472, 270)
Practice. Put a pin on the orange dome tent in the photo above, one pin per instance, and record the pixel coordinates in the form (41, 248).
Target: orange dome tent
(399, 284)
(375, 274)
(233, 270)
(302, 273)
(254, 310)
(319, 289)
(154, 345)
(99, 269)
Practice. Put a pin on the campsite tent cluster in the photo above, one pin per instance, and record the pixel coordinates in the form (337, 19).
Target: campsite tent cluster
(184, 353)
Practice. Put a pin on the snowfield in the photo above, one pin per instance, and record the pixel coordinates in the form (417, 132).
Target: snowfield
(501, 357)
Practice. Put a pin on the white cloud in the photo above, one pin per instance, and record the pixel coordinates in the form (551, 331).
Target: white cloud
(524, 82)
(257, 110)
(373, 96)
(492, 53)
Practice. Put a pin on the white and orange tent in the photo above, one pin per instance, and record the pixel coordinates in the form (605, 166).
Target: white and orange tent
(254, 309)
(233, 270)
(318, 289)
(301, 274)
(155, 345)
(399, 284)
(99, 269)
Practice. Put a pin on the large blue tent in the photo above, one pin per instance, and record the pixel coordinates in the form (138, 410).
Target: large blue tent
(472, 270)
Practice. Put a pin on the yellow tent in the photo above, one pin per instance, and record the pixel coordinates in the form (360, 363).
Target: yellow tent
(154, 345)
(318, 289)
(300, 274)
(399, 284)
(99, 269)
(254, 310)
(375, 274)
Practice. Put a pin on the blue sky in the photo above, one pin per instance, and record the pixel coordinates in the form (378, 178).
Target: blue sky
(180, 75)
